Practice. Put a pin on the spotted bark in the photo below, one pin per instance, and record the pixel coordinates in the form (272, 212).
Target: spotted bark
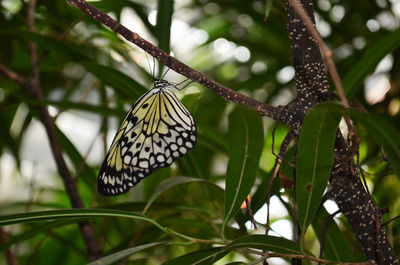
(356, 204)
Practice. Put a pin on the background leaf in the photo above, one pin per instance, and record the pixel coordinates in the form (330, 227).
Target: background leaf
(203, 257)
(172, 182)
(353, 80)
(314, 161)
(111, 259)
(271, 243)
(246, 141)
(125, 85)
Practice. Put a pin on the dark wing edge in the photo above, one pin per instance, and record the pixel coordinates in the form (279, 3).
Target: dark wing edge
(111, 182)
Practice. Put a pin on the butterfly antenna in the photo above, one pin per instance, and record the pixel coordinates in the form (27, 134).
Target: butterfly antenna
(154, 68)
(162, 77)
(186, 85)
(148, 64)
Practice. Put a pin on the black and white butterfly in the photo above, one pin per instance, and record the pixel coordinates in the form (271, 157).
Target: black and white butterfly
(157, 130)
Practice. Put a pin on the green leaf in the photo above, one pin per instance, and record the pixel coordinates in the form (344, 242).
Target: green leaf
(353, 81)
(246, 142)
(259, 196)
(163, 27)
(264, 242)
(204, 256)
(123, 84)
(172, 182)
(71, 214)
(110, 259)
(314, 161)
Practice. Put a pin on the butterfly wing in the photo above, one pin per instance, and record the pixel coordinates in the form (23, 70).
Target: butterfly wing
(157, 130)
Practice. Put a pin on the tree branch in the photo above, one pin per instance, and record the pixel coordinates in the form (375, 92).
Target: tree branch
(327, 55)
(276, 113)
(349, 194)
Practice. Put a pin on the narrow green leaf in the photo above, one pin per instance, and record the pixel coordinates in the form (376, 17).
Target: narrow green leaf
(246, 143)
(258, 198)
(71, 214)
(126, 86)
(172, 182)
(110, 259)
(163, 26)
(354, 79)
(264, 242)
(314, 161)
(203, 257)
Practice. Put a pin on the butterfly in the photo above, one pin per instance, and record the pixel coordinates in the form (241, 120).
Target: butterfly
(157, 130)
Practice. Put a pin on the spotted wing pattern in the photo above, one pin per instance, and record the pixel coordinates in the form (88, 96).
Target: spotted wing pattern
(157, 130)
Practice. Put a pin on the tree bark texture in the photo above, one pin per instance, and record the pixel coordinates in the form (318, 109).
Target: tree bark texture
(346, 189)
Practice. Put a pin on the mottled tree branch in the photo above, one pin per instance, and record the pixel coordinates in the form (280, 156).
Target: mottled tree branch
(277, 113)
(309, 22)
(327, 53)
(353, 200)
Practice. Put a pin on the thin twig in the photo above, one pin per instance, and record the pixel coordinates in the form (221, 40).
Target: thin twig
(323, 232)
(391, 220)
(13, 76)
(11, 259)
(252, 220)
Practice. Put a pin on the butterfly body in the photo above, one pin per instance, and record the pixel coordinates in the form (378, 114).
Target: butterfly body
(157, 130)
